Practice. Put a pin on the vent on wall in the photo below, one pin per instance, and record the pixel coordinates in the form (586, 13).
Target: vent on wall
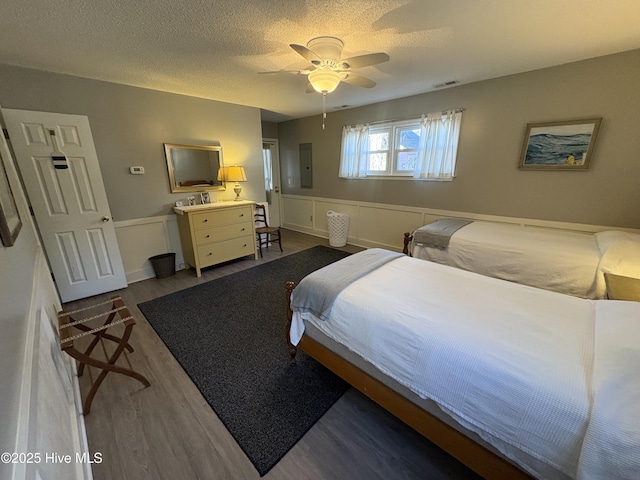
(447, 84)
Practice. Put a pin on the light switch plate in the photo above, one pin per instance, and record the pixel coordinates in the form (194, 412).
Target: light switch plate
(136, 170)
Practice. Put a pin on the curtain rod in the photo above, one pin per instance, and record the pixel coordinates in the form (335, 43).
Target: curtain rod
(457, 110)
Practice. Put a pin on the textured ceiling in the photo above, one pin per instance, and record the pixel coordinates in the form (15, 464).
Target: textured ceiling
(215, 49)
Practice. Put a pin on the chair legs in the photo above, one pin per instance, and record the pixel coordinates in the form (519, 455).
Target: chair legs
(279, 241)
(267, 240)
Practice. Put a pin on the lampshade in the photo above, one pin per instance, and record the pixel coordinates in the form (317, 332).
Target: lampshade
(232, 174)
(324, 80)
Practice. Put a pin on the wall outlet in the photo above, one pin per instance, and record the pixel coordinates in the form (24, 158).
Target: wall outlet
(136, 170)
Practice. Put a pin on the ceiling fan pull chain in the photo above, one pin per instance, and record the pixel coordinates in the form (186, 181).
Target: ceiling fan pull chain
(324, 108)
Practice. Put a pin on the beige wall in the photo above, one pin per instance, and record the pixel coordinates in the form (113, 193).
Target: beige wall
(129, 126)
(269, 130)
(497, 112)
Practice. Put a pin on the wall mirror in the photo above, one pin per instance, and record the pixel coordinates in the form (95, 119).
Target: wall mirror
(193, 168)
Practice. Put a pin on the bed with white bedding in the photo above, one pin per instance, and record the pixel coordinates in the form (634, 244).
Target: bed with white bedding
(558, 260)
(549, 381)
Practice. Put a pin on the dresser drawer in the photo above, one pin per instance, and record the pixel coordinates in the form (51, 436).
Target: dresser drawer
(222, 217)
(226, 232)
(213, 253)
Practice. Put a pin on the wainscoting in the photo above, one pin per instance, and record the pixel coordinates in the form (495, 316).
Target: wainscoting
(48, 406)
(370, 225)
(142, 238)
(381, 225)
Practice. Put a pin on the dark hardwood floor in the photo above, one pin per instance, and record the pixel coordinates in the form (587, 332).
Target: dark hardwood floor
(168, 431)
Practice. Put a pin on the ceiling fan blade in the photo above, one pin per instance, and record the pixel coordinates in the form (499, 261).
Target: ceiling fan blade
(306, 53)
(358, 80)
(279, 71)
(302, 72)
(364, 60)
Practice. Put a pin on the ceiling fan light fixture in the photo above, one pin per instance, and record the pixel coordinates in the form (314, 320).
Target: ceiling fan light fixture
(328, 68)
(324, 80)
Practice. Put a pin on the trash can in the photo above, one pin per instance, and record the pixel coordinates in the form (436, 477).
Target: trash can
(164, 265)
(338, 228)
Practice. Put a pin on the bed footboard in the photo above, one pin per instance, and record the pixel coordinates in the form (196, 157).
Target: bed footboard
(407, 240)
(293, 350)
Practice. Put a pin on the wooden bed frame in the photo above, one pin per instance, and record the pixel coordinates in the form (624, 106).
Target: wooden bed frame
(482, 461)
(408, 236)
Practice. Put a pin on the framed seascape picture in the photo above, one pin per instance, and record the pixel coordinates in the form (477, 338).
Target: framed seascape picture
(10, 223)
(559, 145)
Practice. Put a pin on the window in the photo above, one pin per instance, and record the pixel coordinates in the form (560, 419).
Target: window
(423, 148)
(393, 149)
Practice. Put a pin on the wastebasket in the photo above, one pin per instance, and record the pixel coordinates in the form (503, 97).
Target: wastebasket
(164, 265)
(338, 228)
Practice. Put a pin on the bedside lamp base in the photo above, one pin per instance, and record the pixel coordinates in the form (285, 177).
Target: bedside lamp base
(237, 188)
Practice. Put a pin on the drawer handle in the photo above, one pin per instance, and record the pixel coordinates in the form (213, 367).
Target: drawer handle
(242, 230)
(210, 253)
(205, 220)
(207, 236)
(245, 245)
(242, 214)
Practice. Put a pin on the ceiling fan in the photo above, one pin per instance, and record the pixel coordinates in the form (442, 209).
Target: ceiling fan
(327, 69)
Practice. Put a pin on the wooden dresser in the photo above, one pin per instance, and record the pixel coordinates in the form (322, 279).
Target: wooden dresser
(216, 232)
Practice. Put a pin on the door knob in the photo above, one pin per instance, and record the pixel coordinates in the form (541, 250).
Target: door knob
(105, 219)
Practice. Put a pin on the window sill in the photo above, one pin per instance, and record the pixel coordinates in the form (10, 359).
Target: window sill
(389, 177)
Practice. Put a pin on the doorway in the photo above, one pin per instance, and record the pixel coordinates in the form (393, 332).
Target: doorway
(271, 160)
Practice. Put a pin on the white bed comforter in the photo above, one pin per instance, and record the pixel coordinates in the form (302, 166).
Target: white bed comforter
(554, 376)
(556, 260)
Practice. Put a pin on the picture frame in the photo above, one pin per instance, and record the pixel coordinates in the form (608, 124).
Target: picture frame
(565, 145)
(205, 197)
(10, 221)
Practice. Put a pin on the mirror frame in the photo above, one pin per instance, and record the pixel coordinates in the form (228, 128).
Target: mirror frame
(175, 188)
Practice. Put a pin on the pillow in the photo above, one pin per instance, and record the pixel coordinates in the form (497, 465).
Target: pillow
(620, 253)
(607, 238)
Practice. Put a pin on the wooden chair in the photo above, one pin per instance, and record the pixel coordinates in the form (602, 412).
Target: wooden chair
(271, 234)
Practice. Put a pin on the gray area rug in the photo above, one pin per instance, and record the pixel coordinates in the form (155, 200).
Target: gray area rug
(229, 336)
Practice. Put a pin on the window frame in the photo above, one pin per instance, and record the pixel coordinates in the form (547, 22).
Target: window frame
(393, 128)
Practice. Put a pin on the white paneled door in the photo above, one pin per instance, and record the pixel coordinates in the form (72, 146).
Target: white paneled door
(59, 165)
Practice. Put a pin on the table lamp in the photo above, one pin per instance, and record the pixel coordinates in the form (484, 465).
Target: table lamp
(234, 174)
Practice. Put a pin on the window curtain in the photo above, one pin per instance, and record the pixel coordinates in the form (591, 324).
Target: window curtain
(438, 145)
(355, 151)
